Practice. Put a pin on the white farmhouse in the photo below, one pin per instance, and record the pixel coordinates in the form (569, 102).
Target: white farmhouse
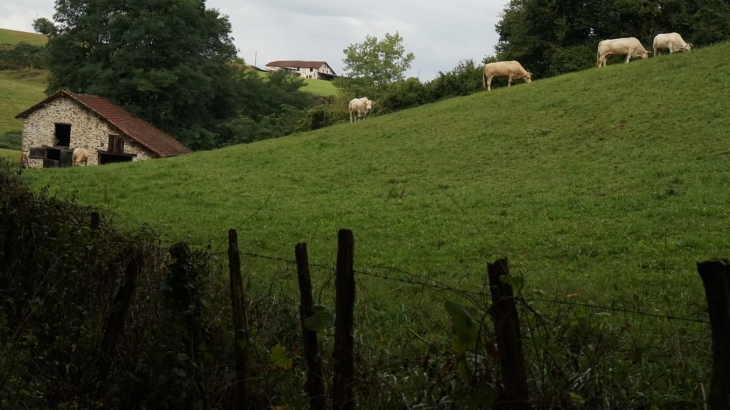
(318, 70)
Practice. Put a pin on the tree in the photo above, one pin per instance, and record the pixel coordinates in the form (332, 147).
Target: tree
(166, 61)
(378, 62)
(44, 26)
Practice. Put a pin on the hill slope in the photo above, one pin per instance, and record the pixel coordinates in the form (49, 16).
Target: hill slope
(16, 96)
(609, 178)
(15, 37)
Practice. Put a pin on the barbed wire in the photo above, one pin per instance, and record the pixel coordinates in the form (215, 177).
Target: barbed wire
(614, 309)
(440, 286)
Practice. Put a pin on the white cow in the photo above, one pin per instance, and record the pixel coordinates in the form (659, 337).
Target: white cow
(360, 107)
(79, 155)
(511, 69)
(629, 46)
(671, 41)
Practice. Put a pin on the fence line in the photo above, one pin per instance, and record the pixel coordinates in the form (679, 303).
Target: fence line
(464, 292)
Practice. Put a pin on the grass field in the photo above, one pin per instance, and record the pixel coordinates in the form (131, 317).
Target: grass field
(18, 93)
(15, 37)
(319, 87)
(609, 182)
(10, 155)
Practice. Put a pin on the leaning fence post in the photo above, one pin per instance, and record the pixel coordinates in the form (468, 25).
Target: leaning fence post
(514, 394)
(239, 321)
(715, 276)
(118, 315)
(315, 376)
(344, 372)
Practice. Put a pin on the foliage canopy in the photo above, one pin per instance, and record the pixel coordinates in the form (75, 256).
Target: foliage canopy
(172, 63)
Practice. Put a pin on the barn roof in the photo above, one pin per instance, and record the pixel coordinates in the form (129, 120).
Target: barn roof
(139, 130)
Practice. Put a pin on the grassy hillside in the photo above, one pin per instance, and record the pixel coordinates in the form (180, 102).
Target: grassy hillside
(609, 182)
(18, 93)
(319, 87)
(15, 37)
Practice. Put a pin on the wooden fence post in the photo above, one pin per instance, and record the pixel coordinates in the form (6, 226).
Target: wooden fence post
(240, 323)
(95, 221)
(715, 276)
(315, 377)
(118, 315)
(344, 373)
(514, 394)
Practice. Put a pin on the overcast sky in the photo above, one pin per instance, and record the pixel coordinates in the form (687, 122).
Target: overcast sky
(439, 33)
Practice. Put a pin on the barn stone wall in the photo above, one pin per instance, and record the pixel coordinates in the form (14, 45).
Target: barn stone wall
(88, 131)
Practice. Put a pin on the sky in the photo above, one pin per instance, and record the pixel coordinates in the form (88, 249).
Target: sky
(439, 33)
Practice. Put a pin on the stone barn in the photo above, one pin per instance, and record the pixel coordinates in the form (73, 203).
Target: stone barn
(65, 120)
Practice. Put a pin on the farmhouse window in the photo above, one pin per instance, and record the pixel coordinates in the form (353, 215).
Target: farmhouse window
(116, 144)
(311, 69)
(62, 134)
(37, 153)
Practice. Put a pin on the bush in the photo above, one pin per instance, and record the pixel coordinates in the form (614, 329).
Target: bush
(11, 140)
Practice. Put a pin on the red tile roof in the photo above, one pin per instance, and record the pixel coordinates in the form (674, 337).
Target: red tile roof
(141, 131)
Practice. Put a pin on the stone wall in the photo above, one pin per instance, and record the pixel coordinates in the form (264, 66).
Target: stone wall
(88, 131)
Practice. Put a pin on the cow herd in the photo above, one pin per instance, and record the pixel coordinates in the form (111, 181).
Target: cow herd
(513, 70)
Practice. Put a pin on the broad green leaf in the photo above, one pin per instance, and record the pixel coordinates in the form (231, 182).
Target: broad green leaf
(516, 282)
(576, 398)
(279, 357)
(321, 320)
(465, 329)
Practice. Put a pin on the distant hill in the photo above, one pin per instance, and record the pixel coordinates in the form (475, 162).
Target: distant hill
(15, 37)
(19, 90)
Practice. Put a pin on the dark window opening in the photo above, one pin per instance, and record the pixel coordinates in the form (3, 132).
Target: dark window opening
(107, 158)
(63, 135)
(116, 144)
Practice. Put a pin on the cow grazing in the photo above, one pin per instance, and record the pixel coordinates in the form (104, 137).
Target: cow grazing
(80, 155)
(671, 41)
(360, 107)
(629, 46)
(511, 69)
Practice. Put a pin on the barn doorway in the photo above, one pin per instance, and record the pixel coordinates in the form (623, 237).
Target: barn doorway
(63, 135)
(109, 158)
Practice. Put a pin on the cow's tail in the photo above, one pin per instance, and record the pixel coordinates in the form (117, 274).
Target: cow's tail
(484, 76)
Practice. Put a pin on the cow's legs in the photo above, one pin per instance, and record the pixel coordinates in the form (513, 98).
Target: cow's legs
(351, 120)
(671, 48)
(509, 80)
(489, 83)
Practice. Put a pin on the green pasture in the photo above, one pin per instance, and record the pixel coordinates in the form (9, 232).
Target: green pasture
(10, 155)
(15, 37)
(19, 90)
(609, 183)
(319, 87)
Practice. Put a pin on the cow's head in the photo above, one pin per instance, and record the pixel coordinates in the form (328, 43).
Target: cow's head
(687, 47)
(645, 54)
(527, 77)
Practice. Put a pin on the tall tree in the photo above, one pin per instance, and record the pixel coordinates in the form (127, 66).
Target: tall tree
(44, 26)
(378, 62)
(166, 61)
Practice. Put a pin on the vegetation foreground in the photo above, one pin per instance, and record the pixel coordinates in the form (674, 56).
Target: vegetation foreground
(605, 186)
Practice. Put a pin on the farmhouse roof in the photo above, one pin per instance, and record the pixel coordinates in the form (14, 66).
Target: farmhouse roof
(141, 131)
